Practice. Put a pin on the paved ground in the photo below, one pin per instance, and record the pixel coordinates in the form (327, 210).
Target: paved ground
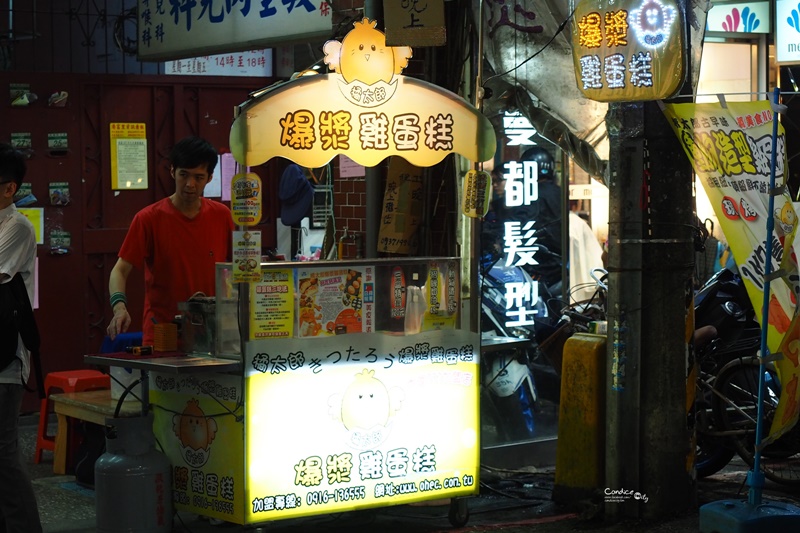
(509, 503)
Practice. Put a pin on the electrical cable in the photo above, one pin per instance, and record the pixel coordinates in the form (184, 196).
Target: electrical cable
(125, 45)
(542, 49)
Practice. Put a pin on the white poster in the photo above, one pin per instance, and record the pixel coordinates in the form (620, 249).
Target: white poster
(173, 30)
(787, 31)
(247, 63)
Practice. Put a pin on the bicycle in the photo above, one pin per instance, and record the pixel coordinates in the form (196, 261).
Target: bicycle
(735, 404)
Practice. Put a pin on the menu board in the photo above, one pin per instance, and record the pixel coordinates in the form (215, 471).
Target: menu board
(272, 304)
(335, 301)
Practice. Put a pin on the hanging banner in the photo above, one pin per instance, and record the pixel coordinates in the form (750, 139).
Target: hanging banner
(731, 151)
(365, 110)
(402, 208)
(246, 199)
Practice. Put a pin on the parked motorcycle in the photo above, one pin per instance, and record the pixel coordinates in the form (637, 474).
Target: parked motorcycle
(725, 330)
(514, 377)
(721, 304)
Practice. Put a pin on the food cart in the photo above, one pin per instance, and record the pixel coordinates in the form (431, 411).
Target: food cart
(352, 384)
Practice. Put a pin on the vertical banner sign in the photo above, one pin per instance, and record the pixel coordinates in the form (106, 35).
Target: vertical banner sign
(628, 50)
(402, 208)
(441, 302)
(731, 150)
(477, 194)
(246, 199)
(246, 256)
(128, 155)
(519, 241)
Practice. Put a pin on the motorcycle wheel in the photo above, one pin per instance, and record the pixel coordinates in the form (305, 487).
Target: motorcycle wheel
(712, 455)
(712, 452)
(736, 407)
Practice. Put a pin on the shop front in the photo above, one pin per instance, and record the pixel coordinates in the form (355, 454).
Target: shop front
(343, 384)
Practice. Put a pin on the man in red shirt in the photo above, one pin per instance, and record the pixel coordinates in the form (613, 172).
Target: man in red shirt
(177, 241)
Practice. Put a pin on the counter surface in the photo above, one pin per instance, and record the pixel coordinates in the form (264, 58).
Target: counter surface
(496, 344)
(168, 362)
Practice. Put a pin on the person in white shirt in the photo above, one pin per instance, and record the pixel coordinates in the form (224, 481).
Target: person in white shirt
(19, 512)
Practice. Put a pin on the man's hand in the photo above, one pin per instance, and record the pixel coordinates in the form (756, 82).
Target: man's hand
(121, 321)
(116, 288)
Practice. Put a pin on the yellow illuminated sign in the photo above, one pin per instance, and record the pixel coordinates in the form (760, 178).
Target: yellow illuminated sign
(197, 428)
(628, 50)
(374, 420)
(246, 199)
(365, 110)
(477, 194)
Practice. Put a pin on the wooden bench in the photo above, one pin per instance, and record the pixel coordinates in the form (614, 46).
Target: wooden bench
(92, 406)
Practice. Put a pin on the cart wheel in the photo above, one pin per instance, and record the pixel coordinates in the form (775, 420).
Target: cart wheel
(459, 513)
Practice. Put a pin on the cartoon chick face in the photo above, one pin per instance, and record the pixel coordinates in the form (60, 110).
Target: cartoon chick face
(365, 403)
(652, 22)
(193, 428)
(786, 217)
(363, 55)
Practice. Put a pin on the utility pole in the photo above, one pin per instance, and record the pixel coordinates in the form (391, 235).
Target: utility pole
(651, 256)
(373, 9)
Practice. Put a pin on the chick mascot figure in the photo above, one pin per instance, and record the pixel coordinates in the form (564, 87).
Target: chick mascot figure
(365, 62)
(366, 409)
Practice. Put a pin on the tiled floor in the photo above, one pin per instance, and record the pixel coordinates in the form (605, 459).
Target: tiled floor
(515, 505)
(63, 505)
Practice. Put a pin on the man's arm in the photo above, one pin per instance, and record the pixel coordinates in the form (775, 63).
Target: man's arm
(117, 281)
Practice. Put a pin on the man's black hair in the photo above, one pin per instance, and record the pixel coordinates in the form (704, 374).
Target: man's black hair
(12, 164)
(192, 152)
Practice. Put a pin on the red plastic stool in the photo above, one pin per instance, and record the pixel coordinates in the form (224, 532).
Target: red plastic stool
(67, 381)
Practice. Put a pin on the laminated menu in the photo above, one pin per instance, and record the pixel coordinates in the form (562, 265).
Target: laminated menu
(442, 296)
(335, 301)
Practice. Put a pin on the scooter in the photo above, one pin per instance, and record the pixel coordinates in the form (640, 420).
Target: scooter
(513, 377)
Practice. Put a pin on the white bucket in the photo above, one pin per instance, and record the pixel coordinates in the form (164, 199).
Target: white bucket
(121, 378)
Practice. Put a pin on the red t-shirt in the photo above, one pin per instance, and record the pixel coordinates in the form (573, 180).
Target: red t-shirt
(177, 254)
